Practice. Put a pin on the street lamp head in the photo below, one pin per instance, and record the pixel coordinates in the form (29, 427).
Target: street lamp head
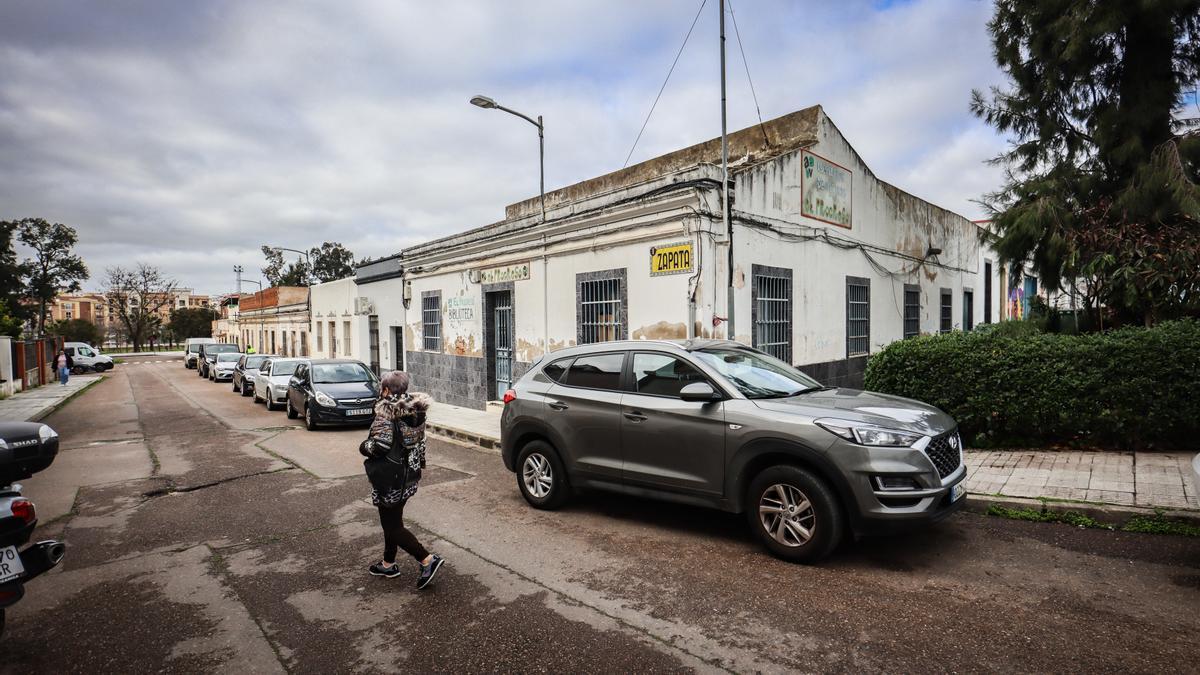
(482, 101)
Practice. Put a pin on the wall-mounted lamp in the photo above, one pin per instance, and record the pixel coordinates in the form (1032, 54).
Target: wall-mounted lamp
(406, 294)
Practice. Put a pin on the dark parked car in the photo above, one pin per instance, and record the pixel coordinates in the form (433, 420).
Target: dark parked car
(243, 372)
(208, 356)
(329, 392)
(718, 424)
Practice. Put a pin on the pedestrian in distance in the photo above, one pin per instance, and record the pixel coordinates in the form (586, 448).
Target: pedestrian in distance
(64, 365)
(395, 455)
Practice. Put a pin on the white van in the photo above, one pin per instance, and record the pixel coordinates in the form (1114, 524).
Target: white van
(86, 356)
(191, 350)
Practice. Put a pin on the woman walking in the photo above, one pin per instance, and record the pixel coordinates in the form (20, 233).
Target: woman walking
(64, 365)
(395, 452)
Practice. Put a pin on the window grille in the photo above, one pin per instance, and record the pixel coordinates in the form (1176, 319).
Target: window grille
(601, 307)
(773, 311)
(858, 316)
(431, 320)
(912, 310)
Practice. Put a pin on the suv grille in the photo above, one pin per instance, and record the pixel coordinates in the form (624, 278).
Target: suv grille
(944, 457)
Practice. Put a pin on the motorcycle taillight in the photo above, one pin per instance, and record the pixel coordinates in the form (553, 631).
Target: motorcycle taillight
(23, 509)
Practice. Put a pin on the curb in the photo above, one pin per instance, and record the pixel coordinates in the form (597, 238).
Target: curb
(1114, 514)
(487, 443)
(53, 408)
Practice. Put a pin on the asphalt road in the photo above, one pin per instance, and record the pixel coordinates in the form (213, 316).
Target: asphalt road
(208, 534)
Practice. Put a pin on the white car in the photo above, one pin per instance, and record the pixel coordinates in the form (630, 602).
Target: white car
(271, 381)
(191, 350)
(223, 368)
(87, 357)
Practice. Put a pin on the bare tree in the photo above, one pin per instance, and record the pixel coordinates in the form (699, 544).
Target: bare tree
(139, 298)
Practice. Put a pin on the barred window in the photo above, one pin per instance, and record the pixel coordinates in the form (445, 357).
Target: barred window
(858, 316)
(912, 310)
(947, 309)
(771, 307)
(601, 306)
(431, 320)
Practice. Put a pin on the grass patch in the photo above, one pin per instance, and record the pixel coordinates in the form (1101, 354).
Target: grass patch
(1155, 524)
(1160, 524)
(1073, 518)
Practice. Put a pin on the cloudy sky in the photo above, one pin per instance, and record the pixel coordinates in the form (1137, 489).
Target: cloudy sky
(187, 134)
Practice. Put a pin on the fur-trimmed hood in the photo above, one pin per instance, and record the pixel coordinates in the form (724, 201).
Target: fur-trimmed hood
(399, 405)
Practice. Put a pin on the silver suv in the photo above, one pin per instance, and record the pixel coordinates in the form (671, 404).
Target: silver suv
(718, 424)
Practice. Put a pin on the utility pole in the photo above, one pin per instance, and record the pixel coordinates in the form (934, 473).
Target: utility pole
(729, 310)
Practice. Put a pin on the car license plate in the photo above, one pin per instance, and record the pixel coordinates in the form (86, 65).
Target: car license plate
(10, 564)
(360, 411)
(958, 491)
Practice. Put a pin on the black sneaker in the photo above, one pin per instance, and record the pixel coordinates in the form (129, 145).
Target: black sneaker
(428, 572)
(381, 570)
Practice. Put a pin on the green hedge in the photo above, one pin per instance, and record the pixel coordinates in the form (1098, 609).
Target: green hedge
(1127, 388)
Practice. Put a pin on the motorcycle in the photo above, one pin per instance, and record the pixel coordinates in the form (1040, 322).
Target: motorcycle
(25, 449)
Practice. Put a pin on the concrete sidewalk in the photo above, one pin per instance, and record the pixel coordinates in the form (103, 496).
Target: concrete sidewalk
(32, 405)
(1128, 482)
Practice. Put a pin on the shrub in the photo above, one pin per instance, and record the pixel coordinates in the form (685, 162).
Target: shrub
(1127, 388)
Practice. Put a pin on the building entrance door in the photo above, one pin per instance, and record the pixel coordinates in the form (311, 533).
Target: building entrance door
(500, 354)
(373, 337)
(398, 341)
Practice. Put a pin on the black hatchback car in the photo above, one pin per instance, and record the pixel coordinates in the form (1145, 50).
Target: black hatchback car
(332, 392)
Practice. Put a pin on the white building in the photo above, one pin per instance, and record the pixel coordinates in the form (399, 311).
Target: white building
(829, 264)
(340, 322)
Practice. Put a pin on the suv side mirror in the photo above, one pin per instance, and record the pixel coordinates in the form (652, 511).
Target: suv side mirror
(699, 392)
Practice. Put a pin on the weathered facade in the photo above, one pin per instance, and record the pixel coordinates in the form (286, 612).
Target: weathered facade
(275, 321)
(829, 264)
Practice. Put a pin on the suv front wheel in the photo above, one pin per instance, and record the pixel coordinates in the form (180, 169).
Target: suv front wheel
(794, 514)
(541, 476)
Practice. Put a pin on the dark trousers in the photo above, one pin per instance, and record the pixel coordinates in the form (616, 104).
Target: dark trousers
(395, 535)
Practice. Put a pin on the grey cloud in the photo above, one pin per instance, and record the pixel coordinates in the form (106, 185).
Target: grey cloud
(186, 134)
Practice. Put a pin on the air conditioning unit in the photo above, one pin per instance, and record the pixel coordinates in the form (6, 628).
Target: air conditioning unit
(363, 306)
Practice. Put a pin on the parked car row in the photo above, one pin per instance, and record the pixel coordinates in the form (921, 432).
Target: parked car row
(325, 392)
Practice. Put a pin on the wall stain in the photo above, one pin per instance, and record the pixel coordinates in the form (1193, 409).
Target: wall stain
(661, 331)
(739, 277)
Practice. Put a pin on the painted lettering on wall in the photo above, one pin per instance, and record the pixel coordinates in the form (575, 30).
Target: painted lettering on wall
(460, 309)
(671, 259)
(825, 190)
(499, 275)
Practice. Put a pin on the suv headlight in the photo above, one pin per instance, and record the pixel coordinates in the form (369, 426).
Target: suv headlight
(46, 433)
(864, 434)
(325, 400)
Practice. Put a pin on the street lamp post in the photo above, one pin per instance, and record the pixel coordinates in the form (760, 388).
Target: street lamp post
(485, 102)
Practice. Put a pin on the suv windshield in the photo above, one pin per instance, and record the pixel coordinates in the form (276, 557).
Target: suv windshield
(333, 373)
(757, 375)
(193, 349)
(228, 357)
(254, 361)
(284, 367)
(218, 349)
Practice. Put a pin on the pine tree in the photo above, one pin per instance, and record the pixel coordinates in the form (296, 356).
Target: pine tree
(1102, 172)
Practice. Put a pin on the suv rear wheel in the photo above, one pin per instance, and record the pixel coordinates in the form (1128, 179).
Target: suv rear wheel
(794, 514)
(541, 476)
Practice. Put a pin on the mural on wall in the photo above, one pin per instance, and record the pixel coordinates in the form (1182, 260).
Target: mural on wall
(825, 190)
(499, 275)
(1016, 302)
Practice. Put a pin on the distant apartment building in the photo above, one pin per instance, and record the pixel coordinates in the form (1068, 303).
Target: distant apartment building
(90, 307)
